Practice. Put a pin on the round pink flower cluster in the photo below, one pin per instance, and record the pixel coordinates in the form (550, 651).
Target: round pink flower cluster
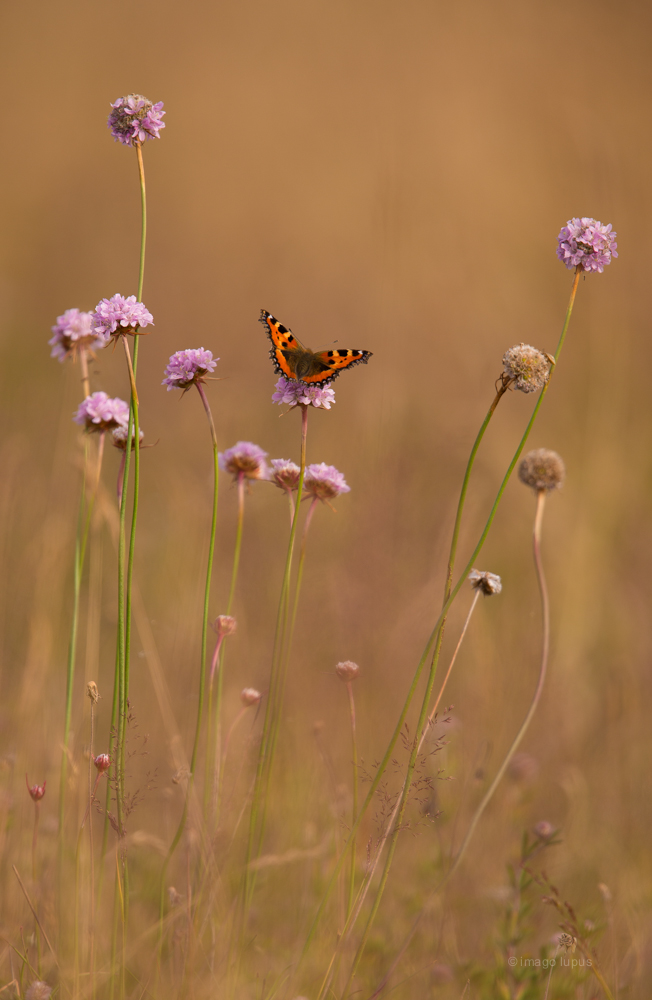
(186, 368)
(133, 119)
(119, 315)
(324, 482)
(244, 461)
(101, 413)
(293, 393)
(587, 244)
(71, 331)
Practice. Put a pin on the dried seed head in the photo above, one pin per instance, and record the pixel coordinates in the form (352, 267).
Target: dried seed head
(567, 941)
(544, 830)
(347, 671)
(487, 583)
(542, 470)
(224, 625)
(604, 891)
(102, 762)
(174, 897)
(36, 791)
(527, 367)
(92, 692)
(39, 990)
(249, 696)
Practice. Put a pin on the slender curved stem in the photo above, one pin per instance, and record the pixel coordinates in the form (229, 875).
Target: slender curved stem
(434, 641)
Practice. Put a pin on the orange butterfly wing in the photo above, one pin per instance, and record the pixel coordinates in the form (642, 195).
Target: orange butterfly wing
(289, 355)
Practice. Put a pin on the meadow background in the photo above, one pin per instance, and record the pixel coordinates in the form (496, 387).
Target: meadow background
(392, 176)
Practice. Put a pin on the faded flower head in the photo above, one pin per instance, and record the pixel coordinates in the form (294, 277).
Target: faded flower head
(92, 692)
(290, 392)
(523, 767)
(224, 625)
(587, 244)
(542, 470)
(72, 331)
(528, 368)
(284, 474)
(133, 119)
(39, 990)
(36, 791)
(186, 368)
(102, 762)
(120, 315)
(101, 413)
(249, 697)
(119, 436)
(487, 583)
(324, 482)
(544, 830)
(244, 460)
(347, 670)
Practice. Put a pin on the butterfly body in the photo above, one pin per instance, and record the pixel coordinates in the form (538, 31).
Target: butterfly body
(291, 359)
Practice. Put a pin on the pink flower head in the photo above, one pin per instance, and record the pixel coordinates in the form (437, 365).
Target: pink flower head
(73, 330)
(102, 762)
(133, 119)
(244, 460)
(120, 315)
(249, 697)
(324, 482)
(119, 436)
(188, 367)
(290, 392)
(586, 244)
(101, 413)
(36, 791)
(284, 474)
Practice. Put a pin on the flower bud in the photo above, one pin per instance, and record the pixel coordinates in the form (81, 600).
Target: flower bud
(224, 625)
(249, 696)
(544, 830)
(347, 671)
(102, 762)
(92, 692)
(36, 791)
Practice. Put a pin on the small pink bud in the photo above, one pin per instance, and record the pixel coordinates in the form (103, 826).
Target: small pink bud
(249, 696)
(36, 791)
(224, 625)
(544, 830)
(347, 671)
(102, 762)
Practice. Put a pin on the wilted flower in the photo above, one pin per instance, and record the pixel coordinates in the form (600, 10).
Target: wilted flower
(544, 830)
(542, 470)
(102, 762)
(587, 244)
(119, 436)
(487, 583)
(186, 368)
(36, 791)
(284, 473)
(249, 697)
(291, 392)
(119, 315)
(526, 367)
(244, 460)
(324, 482)
(523, 767)
(92, 692)
(224, 625)
(39, 990)
(101, 413)
(72, 331)
(133, 119)
(347, 670)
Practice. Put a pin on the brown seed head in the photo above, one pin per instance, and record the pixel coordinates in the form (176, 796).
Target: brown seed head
(92, 692)
(347, 671)
(527, 368)
(249, 696)
(542, 469)
(487, 583)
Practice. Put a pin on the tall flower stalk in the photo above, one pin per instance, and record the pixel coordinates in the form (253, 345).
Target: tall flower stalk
(431, 652)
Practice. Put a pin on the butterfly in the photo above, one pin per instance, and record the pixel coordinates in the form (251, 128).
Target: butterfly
(294, 361)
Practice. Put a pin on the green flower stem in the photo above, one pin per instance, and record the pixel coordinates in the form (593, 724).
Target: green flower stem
(258, 811)
(202, 666)
(434, 640)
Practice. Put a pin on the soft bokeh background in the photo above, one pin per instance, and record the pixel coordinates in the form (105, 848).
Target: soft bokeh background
(391, 176)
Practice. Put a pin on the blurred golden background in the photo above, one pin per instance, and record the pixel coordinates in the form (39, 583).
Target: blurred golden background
(390, 176)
